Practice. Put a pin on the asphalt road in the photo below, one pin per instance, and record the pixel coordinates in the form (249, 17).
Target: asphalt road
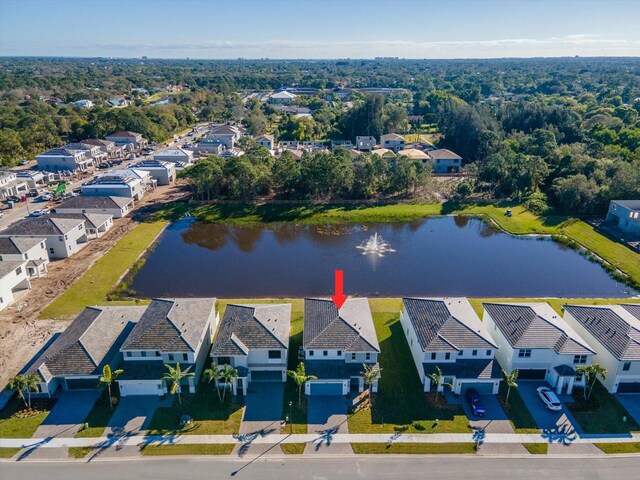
(370, 468)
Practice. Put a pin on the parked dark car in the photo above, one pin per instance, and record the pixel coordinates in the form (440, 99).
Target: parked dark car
(477, 408)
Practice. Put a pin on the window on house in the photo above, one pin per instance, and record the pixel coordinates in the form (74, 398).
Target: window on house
(158, 353)
(311, 353)
(447, 356)
(325, 353)
(579, 359)
(275, 354)
(339, 353)
(433, 355)
(18, 270)
(474, 353)
(524, 353)
(185, 357)
(353, 356)
(128, 354)
(368, 356)
(51, 250)
(626, 366)
(144, 354)
(171, 357)
(488, 353)
(460, 353)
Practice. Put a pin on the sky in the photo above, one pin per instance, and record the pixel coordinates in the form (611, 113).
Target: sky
(319, 29)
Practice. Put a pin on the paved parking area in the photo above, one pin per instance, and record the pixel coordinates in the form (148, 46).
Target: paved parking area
(631, 401)
(560, 424)
(68, 413)
(263, 407)
(133, 414)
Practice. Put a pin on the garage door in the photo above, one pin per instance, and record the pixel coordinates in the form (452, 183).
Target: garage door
(82, 383)
(140, 388)
(481, 387)
(629, 387)
(266, 376)
(331, 388)
(532, 374)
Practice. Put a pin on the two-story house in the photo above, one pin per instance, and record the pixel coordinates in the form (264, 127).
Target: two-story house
(254, 339)
(282, 98)
(227, 135)
(129, 183)
(33, 251)
(112, 150)
(64, 236)
(61, 159)
(163, 172)
(447, 333)
(266, 141)
(11, 185)
(175, 155)
(13, 280)
(170, 331)
(336, 345)
(537, 342)
(445, 161)
(614, 333)
(117, 207)
(392, 141)
(625, 214)
(132, 141)
(365, 143)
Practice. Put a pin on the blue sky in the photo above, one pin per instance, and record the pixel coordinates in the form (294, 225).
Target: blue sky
(319, 29)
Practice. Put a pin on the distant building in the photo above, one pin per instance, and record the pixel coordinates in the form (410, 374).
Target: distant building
(129, 183)
(163, 172)
(117, 207)
(282, 98)
(34, 178)
(83, 104)
(392, 141)
(625, 214)
(131, 140)
(346, 144)
(339, 93)
(227, 135)
(112, 150)
(445, 161)
(266, 141)
(174, 155)
(414, 154)
(365, 143)
(61, 159)
(11, 185)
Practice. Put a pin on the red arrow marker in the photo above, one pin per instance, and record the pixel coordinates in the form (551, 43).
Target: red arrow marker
(339, 298)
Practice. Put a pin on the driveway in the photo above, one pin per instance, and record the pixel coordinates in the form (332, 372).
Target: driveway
(133, 415)
(495, 421)
(631, 401)
(326, 416)
(262, 416)
(68, 413)
(560, 426)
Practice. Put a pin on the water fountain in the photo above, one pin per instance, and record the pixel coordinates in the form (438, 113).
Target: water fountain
(375, 245)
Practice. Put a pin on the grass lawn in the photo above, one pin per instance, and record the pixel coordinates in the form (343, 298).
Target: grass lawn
(161, 95)
(210, 417)
(603, 414)
(401, 404)
(293, 448)
(536, 448)
(8, 452)
(98, 417)
(186, 449)
(298, 411)
(517, 411)
(79, 452)
(93, 287)
(16, 423)
(416, 448)
(626, 447)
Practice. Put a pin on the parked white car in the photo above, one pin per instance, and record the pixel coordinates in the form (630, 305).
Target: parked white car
(39, 213)
(549, 398)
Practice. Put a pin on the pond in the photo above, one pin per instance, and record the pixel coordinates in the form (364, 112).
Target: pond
(441, 256)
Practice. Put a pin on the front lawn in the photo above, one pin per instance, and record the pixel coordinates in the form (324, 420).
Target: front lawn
(517, 411)
(16, 421)
(603, 414)
(210, 417)
(188, 449)
(401, 404)
(622, 447)
(536, 448)
(6, 452)
(416, 448)
(98, 417)
(298, 424)
(79, 452)
(293, 448)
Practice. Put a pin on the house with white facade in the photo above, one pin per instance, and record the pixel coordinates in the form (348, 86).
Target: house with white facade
(163, 172)
(366, 143)
(35, 178)
(392, 141)
(85, 103)
(61, 159)
(337, 344)
(254, 339)
(536, 341)
(170, 331)
(614, 333)
(266, 141)
(112, 150)
(75, 359)
(117, 207)
(11, 185)
(447, 333)
(13, 281)
(132, 141)
(226, 135)
(128, 182)
(64, 236)
(625, 214)
(96, 224)
(174, 155)
(33, 251)
(445, 161)
(282, 98)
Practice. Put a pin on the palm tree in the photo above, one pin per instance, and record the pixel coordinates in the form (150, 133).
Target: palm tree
(300, 377)
(510, 380)
(437, 378)
(371, 374)
(17, 384)
(591, 373)
(213, 373)
(108, 377)
(31, 383)
(227, 376)
(174, 376)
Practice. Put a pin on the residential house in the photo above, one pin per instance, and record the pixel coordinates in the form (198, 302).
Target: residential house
(232, 152)
(339, 93)
(625, 214)
(414, 154)
(266, 141)
(64, 236)
(117, 207)
(346, 144)
(170, 331)
(163, 172)
(445, 161)
(65, 159)
(33, 251)
(254, 339)
(209, 146)
(174, 155)
(85, 103)
(614, 333)
(366, 143)
(75, 359)
(112, 150)
(132, 141)
(392, 141)
(288, 145)
(282, 98)
(337, 343)
(34, 178)
(129, 183)
(119, 101)
(447, 333)
(96, 224)
(537, 342)
(383, 152)
(94, 152)
(11, 185)
(13, 281)
(227, 135)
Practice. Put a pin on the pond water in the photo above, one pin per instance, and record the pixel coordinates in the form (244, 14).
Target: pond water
(442, 256)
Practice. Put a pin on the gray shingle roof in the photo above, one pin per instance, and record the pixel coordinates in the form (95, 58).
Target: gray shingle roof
(446, 324)
(7, 267)
(613, 326)
(470, 369)
(44, 226)
(536, 325)
(17, 245)
(633, 309)
(87, 202)
(93, 220)
(351, 329)
(245, 327)
(172, 325)
(91, 341)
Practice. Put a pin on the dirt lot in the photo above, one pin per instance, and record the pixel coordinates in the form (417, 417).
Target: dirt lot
(21, 333)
